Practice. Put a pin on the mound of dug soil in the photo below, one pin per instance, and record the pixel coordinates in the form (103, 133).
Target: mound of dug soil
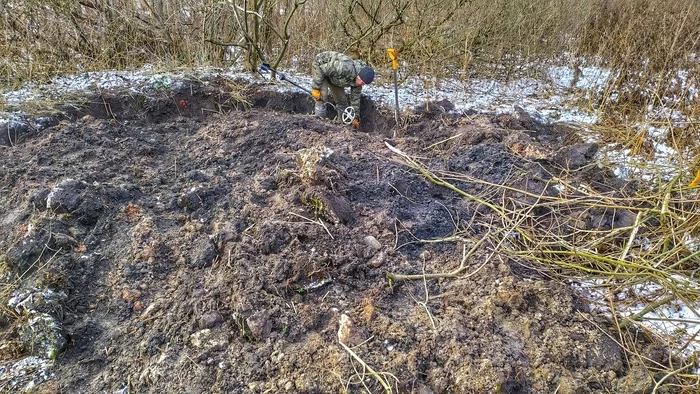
(196, 243)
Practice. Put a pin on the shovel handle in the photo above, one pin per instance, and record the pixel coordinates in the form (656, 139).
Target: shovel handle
(394, 56)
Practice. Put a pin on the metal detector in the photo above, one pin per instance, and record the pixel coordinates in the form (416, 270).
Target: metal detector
(348, 114)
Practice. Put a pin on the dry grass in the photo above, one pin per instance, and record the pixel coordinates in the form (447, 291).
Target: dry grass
(644, 42)
(6, 289)
(650, 255)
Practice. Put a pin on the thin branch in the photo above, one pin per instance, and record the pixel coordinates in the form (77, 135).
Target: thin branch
(374, 373)
(318, 221)
(393, 277)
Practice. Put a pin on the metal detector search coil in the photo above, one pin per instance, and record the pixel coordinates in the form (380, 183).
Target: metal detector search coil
(348, 114)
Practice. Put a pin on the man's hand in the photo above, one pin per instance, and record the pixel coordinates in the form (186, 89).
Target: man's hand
(316, 94)
(356, 123)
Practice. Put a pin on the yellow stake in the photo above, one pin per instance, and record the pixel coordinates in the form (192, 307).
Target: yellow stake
(393, 55)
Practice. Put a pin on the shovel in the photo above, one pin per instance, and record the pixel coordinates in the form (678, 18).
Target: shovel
(348, 114)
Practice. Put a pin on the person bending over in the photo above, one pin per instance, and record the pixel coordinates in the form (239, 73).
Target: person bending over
(334, 71)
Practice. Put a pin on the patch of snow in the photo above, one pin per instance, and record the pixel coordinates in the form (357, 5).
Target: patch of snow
(691, 242)
(675, 321)
(26, 373)
(588, 78)
(26, 301)
(31, 371)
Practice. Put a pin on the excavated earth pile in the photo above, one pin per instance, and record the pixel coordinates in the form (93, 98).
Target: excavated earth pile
(203, 240)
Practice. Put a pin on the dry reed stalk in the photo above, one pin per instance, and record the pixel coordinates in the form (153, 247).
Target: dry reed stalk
(644, 45)
(652, 249)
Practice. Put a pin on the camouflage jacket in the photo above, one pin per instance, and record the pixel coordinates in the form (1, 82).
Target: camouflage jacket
(341, 71)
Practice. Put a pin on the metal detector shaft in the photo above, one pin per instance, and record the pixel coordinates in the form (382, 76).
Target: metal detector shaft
(393, 55)
(348, 114)
(284, 78)
(266, 67)
(396, 95)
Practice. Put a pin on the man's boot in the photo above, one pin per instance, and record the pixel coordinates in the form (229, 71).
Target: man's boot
(320, 109)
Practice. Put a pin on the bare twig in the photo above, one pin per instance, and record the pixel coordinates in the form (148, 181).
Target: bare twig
(318, 221)
(424, 303)
(443, 141)
(377, 375)
(669, 375)
(393, 277)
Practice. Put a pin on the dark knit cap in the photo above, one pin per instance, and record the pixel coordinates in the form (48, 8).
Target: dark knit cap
(367, 74)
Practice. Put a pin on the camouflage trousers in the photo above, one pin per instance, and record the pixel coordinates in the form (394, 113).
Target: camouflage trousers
(334, 94)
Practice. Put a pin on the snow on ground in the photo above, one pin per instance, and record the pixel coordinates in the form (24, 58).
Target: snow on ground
(548, 100)
(678, 320)
(545, 100)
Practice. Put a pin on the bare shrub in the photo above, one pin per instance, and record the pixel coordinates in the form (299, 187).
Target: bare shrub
(644, 42)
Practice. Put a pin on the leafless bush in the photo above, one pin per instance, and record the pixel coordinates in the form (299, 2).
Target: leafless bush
(645, 42)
